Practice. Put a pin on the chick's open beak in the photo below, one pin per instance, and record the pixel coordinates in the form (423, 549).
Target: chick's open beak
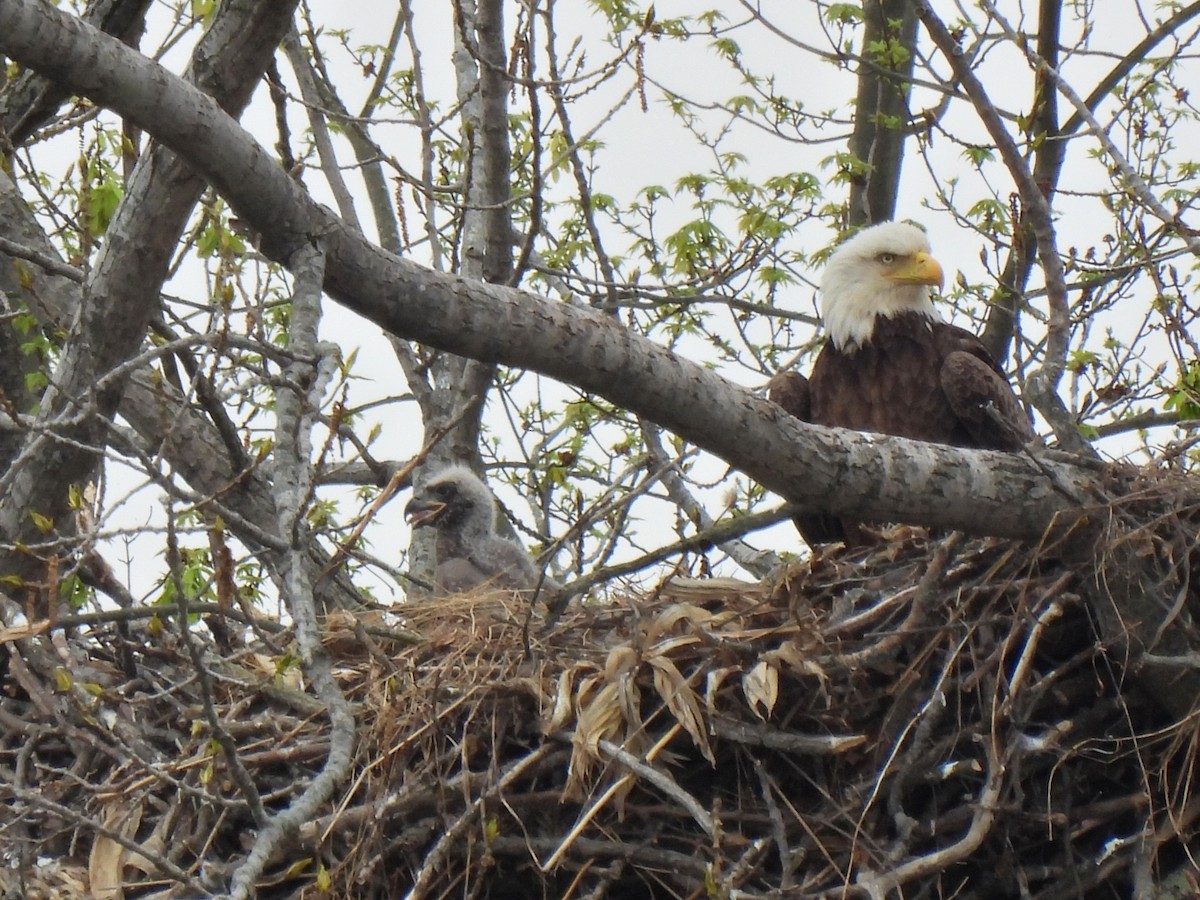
(920, 269)
(423, 512)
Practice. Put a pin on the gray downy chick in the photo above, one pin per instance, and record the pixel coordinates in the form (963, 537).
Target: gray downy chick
(470, 554)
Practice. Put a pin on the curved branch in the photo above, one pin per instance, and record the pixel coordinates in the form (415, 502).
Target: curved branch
(1048, 155)
(869, 477)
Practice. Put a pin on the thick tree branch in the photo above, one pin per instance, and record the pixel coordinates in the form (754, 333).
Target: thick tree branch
(122, 290)
(297, 402)
(856, 475)
(882, 116)
(34, 99)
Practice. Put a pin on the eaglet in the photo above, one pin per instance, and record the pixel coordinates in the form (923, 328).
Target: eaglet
(470, 555)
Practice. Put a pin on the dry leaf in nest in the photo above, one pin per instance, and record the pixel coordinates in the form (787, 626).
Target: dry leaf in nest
(613, 714)
(665, 622)
(681, 589)
(761, 687)
(563, 708)
(792, 655)
(713, 681)
(107, 857)
(599, 720)
(682, 701)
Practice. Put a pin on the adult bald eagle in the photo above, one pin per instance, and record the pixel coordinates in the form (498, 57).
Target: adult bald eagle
(470, 554)
(890, 364)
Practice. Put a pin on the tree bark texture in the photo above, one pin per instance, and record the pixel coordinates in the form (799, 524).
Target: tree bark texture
(881, 113)
(846, 473)
(34, 99)
(121, 294)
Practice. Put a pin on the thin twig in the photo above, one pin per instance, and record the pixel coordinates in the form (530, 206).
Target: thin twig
(664, 783)
(453, 835)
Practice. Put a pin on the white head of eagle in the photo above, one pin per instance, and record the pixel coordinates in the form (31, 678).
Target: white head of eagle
(885, 270)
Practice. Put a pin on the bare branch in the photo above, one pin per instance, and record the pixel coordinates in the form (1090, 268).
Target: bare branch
(866, 477)
(296, 408)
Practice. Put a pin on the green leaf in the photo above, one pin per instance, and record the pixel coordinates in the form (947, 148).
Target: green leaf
(1185, 399)
(102, 201)
(844, 13)
(1081, 359)
(978, 155)
(727, 47)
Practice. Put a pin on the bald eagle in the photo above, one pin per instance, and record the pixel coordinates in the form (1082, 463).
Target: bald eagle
(470, 554)
(890, 365)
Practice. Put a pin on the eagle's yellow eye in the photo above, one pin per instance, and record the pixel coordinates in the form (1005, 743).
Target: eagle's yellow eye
(887, 258)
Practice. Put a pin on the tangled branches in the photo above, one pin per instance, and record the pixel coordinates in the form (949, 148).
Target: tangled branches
(933, 717)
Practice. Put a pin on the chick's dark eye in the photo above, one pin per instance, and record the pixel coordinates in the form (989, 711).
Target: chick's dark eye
(887, 258)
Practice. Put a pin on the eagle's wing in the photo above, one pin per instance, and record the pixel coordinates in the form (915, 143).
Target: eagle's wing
(491, 563)
(501, 563)
(791, 391)
(504, 565)
(984, 402)
(458, 575)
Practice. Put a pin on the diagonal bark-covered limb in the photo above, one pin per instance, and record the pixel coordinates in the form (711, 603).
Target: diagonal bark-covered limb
(862, 476)
(758, 563)
(32, 100)
(1049, 151)
(1036, 205)
(194, 446)
(1046, 68)
(121, 294)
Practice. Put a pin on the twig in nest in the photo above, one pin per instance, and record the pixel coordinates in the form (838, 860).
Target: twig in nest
(880, 885)
(664, 783)
(441, 850)
(934, 706)
(600, 802)
(787, 859)
(771, 738)
(1044, 619)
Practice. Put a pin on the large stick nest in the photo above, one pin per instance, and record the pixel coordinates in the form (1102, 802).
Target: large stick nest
(935, 717)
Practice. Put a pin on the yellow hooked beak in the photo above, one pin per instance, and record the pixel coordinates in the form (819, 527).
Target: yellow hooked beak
(920, 268)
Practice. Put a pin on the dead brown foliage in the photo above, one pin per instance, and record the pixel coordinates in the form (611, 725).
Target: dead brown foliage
(937, 717)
